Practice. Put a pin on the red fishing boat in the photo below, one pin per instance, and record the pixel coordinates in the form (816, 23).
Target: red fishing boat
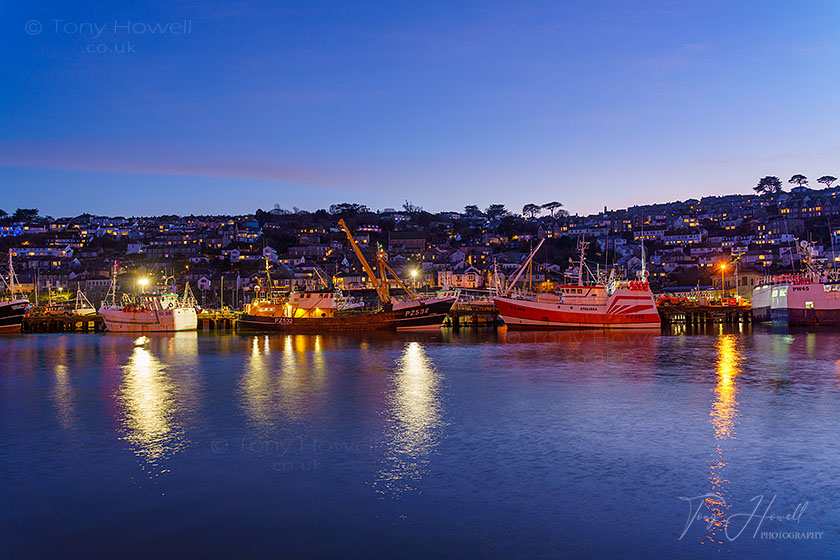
(611, 304)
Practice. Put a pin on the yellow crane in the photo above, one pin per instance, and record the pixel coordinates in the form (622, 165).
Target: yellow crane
(381, 283)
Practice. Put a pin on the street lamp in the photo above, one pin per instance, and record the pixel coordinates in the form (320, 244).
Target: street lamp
(414, 277)
(143, 282)
(722, 285)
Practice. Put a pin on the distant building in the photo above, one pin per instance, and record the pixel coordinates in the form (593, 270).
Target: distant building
(410, 242)
(683, 238)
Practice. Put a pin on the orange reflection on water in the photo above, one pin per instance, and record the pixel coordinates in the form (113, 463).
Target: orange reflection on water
(724, 417)
(414, 418)
(256, 381)
(291, 391)
(724, 411)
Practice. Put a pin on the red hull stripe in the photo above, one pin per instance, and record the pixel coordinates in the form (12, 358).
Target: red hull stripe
(640, 313)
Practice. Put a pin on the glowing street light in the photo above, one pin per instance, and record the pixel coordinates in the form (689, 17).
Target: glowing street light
(722, 284)
(143, 282)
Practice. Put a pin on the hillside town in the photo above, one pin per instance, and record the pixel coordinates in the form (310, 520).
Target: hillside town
(710, 242)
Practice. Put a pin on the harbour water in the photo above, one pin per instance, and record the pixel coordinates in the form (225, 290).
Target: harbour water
(470, 444)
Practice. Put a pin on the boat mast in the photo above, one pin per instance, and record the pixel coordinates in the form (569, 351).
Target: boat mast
(269, 285)
(82, 302)
(12, 287)
(522, 267)
(110, 299)
(582, 246)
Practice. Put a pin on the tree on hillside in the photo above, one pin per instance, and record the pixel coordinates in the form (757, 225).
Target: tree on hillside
(278, 210)
(411, 208)
(348, 208)
(25, 215)
(531, 210)
(471, 210)
(768, 185)
(496, 211)
(552, 207)
(798, 180)
(826, 180)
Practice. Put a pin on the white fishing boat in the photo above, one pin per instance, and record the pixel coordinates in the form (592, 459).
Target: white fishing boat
(160, 310)
(83, 305)
(808, 297)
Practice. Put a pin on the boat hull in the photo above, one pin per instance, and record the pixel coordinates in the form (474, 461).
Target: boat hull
(166, 320)
(761, 304)
(796, 304)
(625, 309)
(428, 314)
(11, 315)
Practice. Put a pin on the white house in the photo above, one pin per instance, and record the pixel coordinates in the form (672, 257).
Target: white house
(471, 277)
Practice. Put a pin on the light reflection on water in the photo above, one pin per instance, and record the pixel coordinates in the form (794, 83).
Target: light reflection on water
(156, 400)
(256, 382)
(288, 390)
(61, 392)
(724, 417)
(584, 423)
(414, 419)
(146, 395)
(63, 396)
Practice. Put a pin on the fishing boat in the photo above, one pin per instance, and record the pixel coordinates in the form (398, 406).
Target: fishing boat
(606, 303)
(329, 311)
(809, 297)
(13, 305)
(159, 310)
(83, 306)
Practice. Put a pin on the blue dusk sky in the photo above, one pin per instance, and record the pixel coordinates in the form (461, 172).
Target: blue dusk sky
(225, 107)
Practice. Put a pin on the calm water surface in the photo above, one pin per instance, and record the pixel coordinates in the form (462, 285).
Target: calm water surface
(477, 444)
